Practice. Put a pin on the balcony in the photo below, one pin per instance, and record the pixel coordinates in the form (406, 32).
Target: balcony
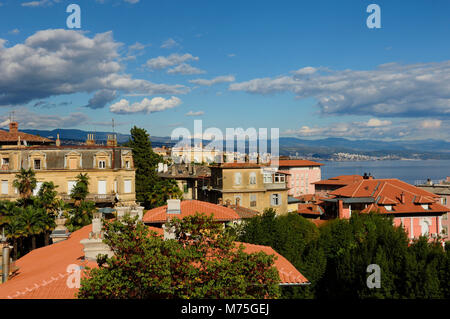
(97, 198)
(273, 186)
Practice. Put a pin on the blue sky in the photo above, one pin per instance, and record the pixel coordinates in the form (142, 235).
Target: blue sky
(310, 68)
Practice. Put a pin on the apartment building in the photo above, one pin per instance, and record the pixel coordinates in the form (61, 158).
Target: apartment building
(250, 185)
(301, 175)
(109, 168)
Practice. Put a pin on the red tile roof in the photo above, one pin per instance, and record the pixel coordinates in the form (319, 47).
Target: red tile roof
(340, 180)
(297, 163)
(390, 192)
(244, 212)
(43, 272)
(288, 273)
(188, 208)
(6, 136)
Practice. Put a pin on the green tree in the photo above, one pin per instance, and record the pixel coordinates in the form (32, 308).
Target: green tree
(80, 216)
(151, 190)
(34, 221)
(294, 237)
(25, 183)
(81, 189)
(202, 262)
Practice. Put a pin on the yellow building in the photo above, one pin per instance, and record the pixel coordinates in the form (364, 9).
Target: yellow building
(249, 185)
(110, 170)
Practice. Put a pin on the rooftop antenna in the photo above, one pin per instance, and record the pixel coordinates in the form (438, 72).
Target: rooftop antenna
(113, 128)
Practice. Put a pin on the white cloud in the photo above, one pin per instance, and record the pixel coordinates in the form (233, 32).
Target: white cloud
(14, 31)
(376, 122)
(216, 80)
(41, 3)
(192, 113)
(156, 104)
(185, 68)
(391, 90)
(411, 129)
(169, 43)
(34, 120)
(57, 62)
(431, 124)
(163, 62)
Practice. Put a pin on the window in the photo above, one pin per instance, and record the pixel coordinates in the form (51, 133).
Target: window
(5, 161)
(276, 199)
(127, 186)
(425, 227)
(127, 164)
(101, 187)
(253, 200)
(280, 178)
(38, 187)
(5, 187)
(237, 178)
(267, 178)
(101, 164)
(238, 200)
(37, 164)
(70, 186)
(252, 178)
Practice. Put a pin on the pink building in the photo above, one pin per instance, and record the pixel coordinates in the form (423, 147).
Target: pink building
(302, 175)
(442, 189)
(418, 211)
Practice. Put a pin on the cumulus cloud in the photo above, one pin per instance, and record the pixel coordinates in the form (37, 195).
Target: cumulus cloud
(430, 124)
(216, 80)
(163, 62)
(156, 104)
(376, 129)
(57, 61)
(192, 113)
(377, 123)
(185, 68)
(41, 3)
(390, 90)
(34, 120)
(169, 43)
(101, 98)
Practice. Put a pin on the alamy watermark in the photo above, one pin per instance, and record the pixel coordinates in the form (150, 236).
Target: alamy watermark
(374, 280)
(236, 145)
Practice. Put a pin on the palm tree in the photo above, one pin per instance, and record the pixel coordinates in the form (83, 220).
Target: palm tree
(15, 230)
(34, 223)
(25, 182)
(81, 189)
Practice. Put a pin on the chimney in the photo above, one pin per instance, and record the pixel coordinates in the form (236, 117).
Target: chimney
(6, 262)
(58, 141)
(90, 139)
(228, 202)
(61, 232)
(220, 201)
(402, 198)
(238, 201)
(174, 206)
(111, 140)
(13, 127)
(94, 245)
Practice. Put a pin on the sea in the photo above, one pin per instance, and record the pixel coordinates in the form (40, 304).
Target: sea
(411, 171)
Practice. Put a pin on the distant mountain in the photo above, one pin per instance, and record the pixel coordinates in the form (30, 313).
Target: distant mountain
(319, 148)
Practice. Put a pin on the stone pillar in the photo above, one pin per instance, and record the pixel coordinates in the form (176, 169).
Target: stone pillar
(61, 232)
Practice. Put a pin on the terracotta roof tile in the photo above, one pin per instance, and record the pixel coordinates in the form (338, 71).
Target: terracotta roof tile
(190, 207)
(297, 163)
(43, 272)
(390, 192)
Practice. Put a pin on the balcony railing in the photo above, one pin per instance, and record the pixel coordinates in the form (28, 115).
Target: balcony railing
(98, 198)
